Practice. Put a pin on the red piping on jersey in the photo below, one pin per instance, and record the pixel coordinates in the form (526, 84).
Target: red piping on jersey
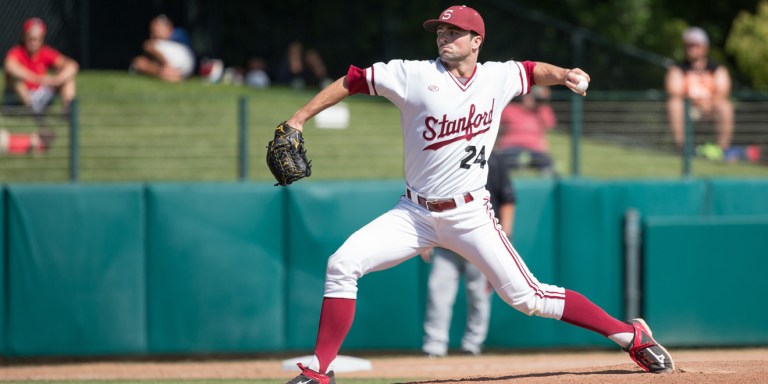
(463, 86)
(516, 258)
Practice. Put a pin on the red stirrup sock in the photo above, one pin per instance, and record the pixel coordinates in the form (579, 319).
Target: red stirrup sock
(583, 313)
(336, 318)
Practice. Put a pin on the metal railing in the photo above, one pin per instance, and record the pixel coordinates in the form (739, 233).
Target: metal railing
(216, 139)
(638, 122)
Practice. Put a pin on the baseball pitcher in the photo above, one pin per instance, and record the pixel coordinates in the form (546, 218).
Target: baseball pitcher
(449, 112)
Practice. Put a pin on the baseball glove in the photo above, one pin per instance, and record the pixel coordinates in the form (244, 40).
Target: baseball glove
(286, 156)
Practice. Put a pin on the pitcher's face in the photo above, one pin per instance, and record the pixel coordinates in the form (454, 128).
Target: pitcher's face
(453, 44)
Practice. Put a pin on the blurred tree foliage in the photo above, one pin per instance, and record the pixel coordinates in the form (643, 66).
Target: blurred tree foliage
(360, 32)
(748, 42)
(657, 25)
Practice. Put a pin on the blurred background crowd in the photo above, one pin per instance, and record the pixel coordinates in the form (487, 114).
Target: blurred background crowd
(635, 51)
(109, 35)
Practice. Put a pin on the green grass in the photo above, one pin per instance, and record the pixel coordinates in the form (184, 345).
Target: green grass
(134, 128)
(611, 161)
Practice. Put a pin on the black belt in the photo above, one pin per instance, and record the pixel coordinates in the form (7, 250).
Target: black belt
(438, 205)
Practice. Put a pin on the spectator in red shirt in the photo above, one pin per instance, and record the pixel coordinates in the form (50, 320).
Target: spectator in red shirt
(36, 72)
(523, 130)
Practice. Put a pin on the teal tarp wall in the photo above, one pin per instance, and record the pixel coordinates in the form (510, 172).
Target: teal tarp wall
(216, 269)
(707, 278)
(200, 268)
(76, 270)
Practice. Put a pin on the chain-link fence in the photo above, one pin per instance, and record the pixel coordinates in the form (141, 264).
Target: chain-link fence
(194, 138)
(62, 19)
(644, 123)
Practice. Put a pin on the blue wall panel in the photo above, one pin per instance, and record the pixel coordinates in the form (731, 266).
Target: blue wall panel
(739, 197)
(76, 270)
(239, 267)
(706, 278)
(215, 268)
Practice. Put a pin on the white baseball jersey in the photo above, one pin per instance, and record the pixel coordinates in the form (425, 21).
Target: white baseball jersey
(449, 126)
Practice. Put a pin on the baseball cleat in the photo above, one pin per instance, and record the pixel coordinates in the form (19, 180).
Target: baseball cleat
(647, 352)
(308, 376)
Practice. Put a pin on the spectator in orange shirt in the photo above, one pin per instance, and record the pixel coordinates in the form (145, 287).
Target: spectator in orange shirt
(706, 83)
(35, 72)
(523, 130)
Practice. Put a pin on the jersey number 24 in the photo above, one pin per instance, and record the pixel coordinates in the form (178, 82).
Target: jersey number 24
(473, 157)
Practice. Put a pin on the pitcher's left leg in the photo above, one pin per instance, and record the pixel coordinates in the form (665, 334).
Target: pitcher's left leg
(490, 250)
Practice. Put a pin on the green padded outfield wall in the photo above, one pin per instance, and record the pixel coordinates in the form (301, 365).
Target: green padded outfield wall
(739, 197)
(76, 270)
(196, 268)
(321, 216)
(708, 283)
(590, 232)
(215, 268)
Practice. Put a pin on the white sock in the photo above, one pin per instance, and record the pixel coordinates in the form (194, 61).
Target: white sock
(622, 339)
(315, 365)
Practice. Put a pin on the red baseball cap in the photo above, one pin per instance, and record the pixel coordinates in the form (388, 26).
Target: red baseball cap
(459, 16)
(34, 22)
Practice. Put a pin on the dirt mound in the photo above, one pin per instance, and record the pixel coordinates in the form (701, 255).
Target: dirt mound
(693, 366)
